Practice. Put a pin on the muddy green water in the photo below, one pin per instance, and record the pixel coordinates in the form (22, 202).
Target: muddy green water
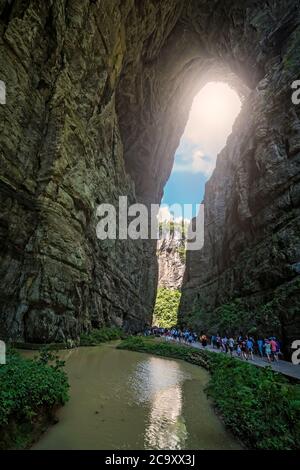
(128, 400)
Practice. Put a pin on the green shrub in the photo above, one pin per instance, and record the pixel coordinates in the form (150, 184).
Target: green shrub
(139, 343)
(166, 307)
(102, 335)
(260, 406)
(27, 389)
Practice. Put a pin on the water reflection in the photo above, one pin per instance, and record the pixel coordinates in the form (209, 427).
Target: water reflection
(161, 387)
(127, 400)
(166, 428)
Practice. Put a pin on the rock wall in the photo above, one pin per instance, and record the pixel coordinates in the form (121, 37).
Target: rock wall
(98, 93)
(171, 262)
(252, 215)
(61, 156)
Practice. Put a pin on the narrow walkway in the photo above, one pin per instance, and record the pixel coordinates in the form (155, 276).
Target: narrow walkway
(284, 367)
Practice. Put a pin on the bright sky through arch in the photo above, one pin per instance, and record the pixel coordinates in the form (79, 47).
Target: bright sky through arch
(213, 113)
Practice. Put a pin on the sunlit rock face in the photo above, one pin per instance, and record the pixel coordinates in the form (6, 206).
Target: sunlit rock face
(171, 262)
(98, 93)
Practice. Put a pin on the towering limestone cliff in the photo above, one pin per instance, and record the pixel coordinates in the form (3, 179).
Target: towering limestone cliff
(171, 262)
(98, 94)
(251, 255)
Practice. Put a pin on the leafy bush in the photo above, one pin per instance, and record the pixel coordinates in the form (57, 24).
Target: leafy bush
(160, 348)
(139, 343)
(27, 389)
(234, 316)
(166, 307)
(260, 406)
(102, 335)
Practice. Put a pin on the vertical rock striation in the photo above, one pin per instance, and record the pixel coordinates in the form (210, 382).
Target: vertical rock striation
(171, 262)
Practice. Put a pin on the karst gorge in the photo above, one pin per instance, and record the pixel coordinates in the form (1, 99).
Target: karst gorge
(97, 97)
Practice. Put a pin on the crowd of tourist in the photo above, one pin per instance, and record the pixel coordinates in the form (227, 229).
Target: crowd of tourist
(242, 346)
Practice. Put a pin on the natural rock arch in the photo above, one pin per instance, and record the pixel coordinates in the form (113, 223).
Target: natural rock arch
(252, 199)
(93, 89)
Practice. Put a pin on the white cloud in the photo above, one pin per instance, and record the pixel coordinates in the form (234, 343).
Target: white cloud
(196, 163)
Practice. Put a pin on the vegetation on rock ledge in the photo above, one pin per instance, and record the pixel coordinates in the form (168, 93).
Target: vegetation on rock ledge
(102, 335)
(237, 315)
(30, 391)
(260, 406)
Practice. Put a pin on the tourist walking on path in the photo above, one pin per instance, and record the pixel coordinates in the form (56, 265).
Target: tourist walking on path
(249, 346)
(190, 338)
(203, 340)
(231, 345)
(224, 344)
(273, 345)
(268, 350)
(244, 350)
(260, 347)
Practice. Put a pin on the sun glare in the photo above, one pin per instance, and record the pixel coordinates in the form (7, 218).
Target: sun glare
(212, 116)
(210, 122)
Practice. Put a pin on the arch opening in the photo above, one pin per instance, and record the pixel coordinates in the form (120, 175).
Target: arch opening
(213, 113)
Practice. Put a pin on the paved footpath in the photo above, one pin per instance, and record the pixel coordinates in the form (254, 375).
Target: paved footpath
(284, 367)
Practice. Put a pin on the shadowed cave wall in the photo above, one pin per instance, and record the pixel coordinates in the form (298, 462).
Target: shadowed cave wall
(98, 93)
